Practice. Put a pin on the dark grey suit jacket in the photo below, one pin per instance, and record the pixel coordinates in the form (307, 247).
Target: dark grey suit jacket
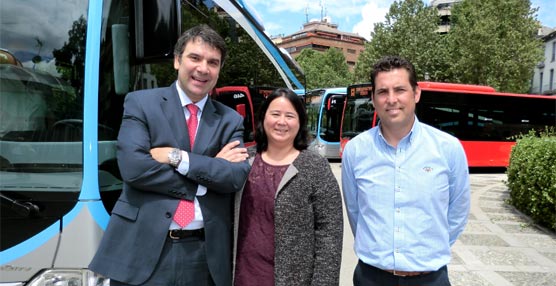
(133, 241)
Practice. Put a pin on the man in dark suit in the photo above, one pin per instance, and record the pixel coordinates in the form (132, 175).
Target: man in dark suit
(144, 244)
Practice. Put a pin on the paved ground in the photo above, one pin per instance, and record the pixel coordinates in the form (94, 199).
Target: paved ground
(499, 247)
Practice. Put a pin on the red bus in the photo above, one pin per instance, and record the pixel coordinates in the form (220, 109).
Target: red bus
(485, 121)
(246, 101)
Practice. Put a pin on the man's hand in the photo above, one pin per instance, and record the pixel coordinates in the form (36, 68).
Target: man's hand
(160, 154)
(233, 153)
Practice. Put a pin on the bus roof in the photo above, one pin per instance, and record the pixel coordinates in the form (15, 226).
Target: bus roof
(454, 86)
(330, 90)
(469, 88)
(460, 87)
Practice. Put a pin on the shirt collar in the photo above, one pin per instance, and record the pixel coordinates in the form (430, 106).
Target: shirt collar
(410, 137)
(185, 100)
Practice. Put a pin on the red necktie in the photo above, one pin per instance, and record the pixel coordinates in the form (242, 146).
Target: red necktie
(192, 122)
(185, 212)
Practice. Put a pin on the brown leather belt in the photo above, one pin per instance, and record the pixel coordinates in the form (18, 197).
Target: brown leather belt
(407, 273)
(185, 233)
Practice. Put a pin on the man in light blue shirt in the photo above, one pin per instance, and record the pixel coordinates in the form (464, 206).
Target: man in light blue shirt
(406, 187)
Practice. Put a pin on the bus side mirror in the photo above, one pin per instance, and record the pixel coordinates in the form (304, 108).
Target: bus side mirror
(157, 29)
(120, 52)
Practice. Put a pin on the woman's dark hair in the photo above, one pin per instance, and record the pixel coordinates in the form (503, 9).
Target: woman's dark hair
(301, 140)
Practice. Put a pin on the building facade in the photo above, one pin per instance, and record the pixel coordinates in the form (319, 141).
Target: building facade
(444, 11)
(321, 36)
(544, 80)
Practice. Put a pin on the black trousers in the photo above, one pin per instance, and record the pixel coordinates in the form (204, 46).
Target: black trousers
(183, 263)
(367, 275)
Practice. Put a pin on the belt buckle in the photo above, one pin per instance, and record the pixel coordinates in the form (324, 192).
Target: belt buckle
(398, 273)
(170, 234)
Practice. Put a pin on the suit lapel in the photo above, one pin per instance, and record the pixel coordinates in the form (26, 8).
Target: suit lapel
(208, 124)
(171, 106)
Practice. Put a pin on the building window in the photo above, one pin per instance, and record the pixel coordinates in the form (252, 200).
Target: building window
(551, 79)
(351, 51)
(320, 47)
(553, 50)
(540, 83)
(301, 35)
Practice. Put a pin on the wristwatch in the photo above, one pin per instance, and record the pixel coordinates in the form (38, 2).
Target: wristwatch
(175, 157)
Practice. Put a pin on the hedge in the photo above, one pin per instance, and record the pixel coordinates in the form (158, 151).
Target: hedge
(532, 176)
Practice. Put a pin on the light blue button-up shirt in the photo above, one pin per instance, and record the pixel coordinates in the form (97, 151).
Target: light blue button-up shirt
(407, 204)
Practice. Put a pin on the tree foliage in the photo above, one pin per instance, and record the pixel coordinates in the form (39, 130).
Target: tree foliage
(493, 43)
(490, 42)
(408, 31)
(328, 69)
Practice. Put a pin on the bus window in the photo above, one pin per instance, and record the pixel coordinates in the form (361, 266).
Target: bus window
(313, 101)
(324, 116)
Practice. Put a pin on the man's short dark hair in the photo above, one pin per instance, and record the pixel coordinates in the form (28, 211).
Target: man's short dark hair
(389, 63)
(205, 33)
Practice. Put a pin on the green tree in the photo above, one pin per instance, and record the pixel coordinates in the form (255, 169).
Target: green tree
(328, 69)
(245, 64)
(493, 43)
(70, 58)
(408, 31)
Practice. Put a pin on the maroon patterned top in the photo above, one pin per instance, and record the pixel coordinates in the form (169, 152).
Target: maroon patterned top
(255, 245)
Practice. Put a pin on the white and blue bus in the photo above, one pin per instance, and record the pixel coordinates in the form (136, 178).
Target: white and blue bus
(65, 68)
(325, 108)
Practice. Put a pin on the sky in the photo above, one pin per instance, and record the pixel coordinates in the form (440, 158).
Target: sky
(284, 17)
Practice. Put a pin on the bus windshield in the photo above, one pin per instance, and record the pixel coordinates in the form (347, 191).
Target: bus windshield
(359, 111)
(65, 69)
(324, 117)
(41, 114)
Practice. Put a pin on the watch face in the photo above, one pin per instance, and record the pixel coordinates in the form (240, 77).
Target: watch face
(174, 157)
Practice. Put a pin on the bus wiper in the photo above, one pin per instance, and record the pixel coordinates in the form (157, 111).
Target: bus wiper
(25, 209)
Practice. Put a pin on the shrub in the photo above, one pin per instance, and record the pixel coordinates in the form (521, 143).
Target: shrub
(532, 176)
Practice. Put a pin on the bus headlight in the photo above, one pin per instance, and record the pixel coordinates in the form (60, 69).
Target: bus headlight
(69, 277)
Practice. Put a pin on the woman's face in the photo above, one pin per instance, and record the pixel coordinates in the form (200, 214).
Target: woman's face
(281, 123)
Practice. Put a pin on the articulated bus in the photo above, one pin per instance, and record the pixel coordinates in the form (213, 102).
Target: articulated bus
(485, 121)
(324, 116)
(65, 68)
